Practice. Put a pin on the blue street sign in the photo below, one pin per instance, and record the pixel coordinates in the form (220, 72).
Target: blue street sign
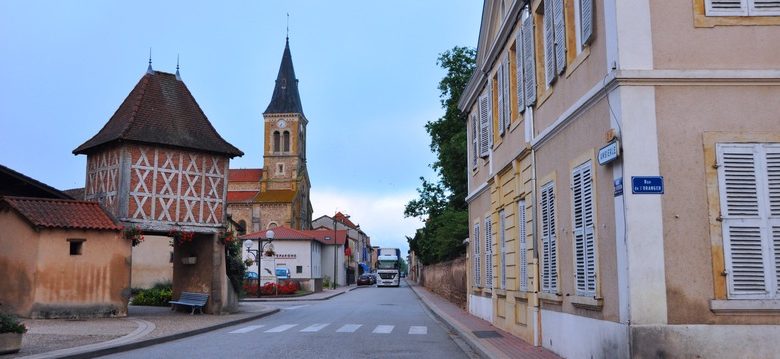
(618, 186)
(647, 184)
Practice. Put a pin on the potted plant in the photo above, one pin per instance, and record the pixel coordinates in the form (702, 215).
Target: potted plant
(11, 330)
(134, 234)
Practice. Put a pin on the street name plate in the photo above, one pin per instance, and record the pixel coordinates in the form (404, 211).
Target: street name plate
(647, 184)
(609, 152)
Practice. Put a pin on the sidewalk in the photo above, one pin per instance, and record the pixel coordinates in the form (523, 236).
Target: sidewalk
(503, 345)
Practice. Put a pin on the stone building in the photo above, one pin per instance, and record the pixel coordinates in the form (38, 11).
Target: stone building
(277, 194)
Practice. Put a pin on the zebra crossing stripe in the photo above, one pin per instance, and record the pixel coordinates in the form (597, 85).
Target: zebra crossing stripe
(421, 330)
(383, 329)
(246, 329)
(315, 327)
(280, 328)
(349, 328)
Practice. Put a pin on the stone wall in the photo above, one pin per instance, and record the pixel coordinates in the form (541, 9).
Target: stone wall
(447, 279)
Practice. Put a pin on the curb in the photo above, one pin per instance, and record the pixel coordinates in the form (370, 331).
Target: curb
(154, 341)
(296, 299)
(453, 325)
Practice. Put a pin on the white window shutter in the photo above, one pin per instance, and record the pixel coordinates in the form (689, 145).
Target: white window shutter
(490, 113)
(476, 261)
(529, 61)
(773, 178)
(584, 241)
(726, 7)
(521, 221)
(549, 245)
(586, 21)
(559, 20)
(474, 140)
(549, 42)
(507, 94)
(502, 246)
(519, 71)
(500, 79)
(763, 7)
(484, 125)
(488, 253)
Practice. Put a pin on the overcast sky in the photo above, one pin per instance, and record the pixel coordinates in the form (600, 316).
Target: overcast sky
(367, 71)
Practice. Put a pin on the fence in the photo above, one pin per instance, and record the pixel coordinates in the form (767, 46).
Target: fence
(447, 279)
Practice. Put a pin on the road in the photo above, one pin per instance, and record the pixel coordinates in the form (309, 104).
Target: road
(367, 322)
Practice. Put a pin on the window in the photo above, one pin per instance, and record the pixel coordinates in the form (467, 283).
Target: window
(298, 269)
(583, 22)
(277, 145)
(286, 138)
(502, 246)
(521, 220)
(554, 39)
(749, 190)
(489, 252)
(242, 230)
(280, 168)
(528, 54)
(76, 246)
(584, 241)
(549, 242)
(502, 93)
(742, 7)
(477, 279)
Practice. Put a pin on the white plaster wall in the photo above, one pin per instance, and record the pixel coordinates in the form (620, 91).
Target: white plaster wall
(481, 307)
(572, 336)
(706, 341)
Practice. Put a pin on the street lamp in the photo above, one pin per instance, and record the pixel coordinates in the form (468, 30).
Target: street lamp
(258, 253)
(335, 251)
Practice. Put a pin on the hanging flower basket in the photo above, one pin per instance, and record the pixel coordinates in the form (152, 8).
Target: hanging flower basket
(227, 237)
(248, 262)
(134, 234)
(270, 253)
(181, 237)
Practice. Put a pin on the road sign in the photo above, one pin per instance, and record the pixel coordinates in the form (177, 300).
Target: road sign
(647, 184)
(609, 152)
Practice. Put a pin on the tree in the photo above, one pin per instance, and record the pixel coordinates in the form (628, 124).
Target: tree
(442, 204)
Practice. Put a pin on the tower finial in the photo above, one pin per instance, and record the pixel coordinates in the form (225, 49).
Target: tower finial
(178, 76)
(288, 26)
(149, 69)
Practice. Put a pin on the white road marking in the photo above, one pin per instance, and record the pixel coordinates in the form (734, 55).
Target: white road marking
(280, 328)
(383, 329)
(295, 307)
(349, 328)
(421, 330)
(315, 327)
(247, 329)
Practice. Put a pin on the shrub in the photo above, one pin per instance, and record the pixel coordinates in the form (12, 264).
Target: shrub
(158, 296)
(10, 324)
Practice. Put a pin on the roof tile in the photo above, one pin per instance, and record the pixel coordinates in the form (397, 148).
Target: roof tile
(61, 213)
(245, 175)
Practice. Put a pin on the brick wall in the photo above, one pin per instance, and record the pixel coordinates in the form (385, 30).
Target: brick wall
(447, 279)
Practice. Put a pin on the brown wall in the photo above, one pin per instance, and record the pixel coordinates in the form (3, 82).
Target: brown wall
(17, 264)
(447, 279)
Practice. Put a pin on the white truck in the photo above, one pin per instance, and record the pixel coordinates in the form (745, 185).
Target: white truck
(388, 267)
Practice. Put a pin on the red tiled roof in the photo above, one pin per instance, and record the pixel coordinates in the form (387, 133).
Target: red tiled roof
(61, 213)
(241, 196)
(286, 233)
(161, 110)
(245, 175)
(276, 196)
(321, 234)
(340, 217)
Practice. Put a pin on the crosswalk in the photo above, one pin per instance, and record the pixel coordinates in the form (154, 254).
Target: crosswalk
(317, 327)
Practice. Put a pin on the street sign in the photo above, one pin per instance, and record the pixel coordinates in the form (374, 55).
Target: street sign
(647, 184)
(609, 152)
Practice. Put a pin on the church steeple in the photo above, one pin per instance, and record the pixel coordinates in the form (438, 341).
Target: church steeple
(285, 98)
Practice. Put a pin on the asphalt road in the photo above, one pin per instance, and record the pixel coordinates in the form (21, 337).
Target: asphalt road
(368, 322)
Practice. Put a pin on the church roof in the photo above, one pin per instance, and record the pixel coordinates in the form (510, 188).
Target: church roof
(161, 110)
(245, 174)
(276, 196)
(61, 213)
(241, 196)
(286, 98)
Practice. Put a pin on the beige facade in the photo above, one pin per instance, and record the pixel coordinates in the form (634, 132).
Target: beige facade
(152, 262)
(686, 94)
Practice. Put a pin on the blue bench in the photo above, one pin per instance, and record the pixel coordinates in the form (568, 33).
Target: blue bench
(194, 300)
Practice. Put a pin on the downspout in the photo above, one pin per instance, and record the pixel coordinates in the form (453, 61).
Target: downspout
(535, 233)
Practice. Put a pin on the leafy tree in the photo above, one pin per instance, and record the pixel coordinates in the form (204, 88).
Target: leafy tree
(442, 203)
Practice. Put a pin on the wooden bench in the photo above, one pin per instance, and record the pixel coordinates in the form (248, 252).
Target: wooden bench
(194, 300)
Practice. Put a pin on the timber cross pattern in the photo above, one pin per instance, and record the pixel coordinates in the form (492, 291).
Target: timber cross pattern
(102, 179)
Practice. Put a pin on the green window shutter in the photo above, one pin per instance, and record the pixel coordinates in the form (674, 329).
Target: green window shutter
(529, 61)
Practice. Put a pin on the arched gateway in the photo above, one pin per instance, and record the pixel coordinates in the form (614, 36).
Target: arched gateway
(160, 165)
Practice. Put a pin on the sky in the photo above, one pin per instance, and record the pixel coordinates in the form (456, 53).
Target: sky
(367, 75)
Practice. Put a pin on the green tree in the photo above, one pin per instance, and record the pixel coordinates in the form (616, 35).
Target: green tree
(442, 203)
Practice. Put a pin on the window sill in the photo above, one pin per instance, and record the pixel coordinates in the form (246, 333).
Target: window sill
(577, 61)
(742, 306)
(589, 303)
(500, 292)
(701, 20)
(521, 295)
(551, 298)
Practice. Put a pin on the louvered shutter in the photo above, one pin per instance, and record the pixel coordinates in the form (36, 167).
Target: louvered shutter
(726, 7)
(500, 79)
(476, 262)
(484, 125)
(749, 183)
(507, 93)
(521, 219)
(474, 140)
(584, 241)
(763, 7)
(529, 61)
(560, 35)
(519, 71)
(549, 42)
(549, 245)
(490, 113)
(586, 21)
(488, 253)
(502, 246)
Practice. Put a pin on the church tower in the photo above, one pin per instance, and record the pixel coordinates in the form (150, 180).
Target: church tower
(284, 153)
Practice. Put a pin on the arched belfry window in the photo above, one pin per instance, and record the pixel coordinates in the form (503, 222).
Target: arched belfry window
(286, 141)
(277, 145)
